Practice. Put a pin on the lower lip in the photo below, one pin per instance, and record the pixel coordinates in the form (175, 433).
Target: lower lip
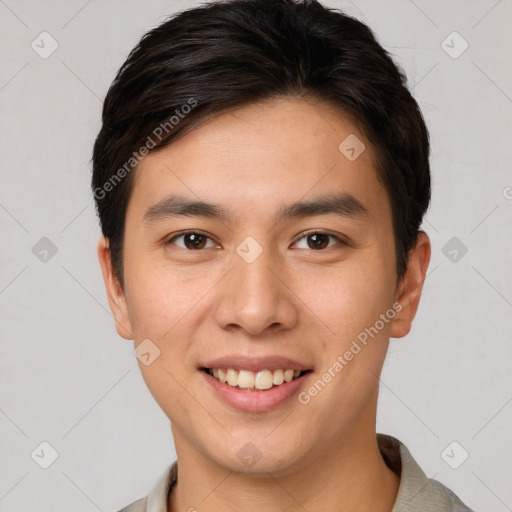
(255, 401)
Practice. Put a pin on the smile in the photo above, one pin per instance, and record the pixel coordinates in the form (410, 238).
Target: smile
(253, 380)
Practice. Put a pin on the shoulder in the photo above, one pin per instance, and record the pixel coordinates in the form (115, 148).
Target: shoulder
(136, 506)
(437, 498)
(417, 491)
(156, 500)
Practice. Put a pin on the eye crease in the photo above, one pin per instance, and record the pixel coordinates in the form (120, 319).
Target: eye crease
(194, 240)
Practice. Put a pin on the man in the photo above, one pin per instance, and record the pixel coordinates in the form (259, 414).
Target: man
(261, 176)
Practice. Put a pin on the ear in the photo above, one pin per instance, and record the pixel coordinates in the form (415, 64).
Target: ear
(411, 285)
(115, 294)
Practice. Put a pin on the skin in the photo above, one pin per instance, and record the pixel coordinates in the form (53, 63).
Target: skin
(294, 300)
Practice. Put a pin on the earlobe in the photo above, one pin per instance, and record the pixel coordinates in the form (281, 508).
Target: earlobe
(115, 294)
(411, 286)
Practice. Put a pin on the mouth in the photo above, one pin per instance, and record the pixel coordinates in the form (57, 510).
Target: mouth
(258, 381)
(255, 384)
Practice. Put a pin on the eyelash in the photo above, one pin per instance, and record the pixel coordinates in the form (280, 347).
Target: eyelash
(302, 235)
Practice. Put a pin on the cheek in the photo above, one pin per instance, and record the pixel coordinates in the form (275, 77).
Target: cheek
(162, 308)
(347, 299)
(159, 298)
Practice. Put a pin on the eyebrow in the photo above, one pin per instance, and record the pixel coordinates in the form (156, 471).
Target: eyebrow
(342, 204)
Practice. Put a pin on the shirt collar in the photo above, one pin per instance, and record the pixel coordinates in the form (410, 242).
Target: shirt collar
(157, 498)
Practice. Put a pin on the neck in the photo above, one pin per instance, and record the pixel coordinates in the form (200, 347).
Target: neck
(351, 477)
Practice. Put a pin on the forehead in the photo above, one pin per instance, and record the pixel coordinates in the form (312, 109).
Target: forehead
(258, 157)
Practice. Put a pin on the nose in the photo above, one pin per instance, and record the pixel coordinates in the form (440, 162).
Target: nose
(256, 297)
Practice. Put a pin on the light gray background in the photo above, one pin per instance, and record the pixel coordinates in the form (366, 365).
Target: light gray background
(67, 378)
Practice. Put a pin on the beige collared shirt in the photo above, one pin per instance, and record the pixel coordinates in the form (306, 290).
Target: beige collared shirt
(416, 493)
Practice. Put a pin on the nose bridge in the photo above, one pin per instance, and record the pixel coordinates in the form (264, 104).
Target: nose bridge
(254, 297)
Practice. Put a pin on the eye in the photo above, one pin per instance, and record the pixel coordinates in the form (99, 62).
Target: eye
(192, 240)
(318, 240)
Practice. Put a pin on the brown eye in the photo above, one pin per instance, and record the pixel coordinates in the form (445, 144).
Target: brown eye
(319, 240)
(194, 241)
(191, 240)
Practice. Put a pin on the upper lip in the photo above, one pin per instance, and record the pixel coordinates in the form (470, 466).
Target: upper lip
(255, 363)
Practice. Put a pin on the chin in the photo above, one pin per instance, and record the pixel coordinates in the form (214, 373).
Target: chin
(254, 454)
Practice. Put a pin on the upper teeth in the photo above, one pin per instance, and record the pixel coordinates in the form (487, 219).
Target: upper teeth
(247, 379)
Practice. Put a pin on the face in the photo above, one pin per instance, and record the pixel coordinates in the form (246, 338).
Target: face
(287, 272)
